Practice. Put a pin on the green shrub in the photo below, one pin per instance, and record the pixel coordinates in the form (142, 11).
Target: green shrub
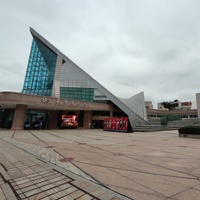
(164, 120)
(192, 130)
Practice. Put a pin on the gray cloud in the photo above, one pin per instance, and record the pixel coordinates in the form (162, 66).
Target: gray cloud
(128, 46)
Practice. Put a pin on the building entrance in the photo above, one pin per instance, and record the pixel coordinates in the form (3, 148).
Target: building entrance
(97, 124)
(36, 120)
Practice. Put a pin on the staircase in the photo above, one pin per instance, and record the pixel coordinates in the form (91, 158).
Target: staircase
(153, 128)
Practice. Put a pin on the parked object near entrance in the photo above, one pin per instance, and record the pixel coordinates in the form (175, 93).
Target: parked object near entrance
(34, 125)
(115, 124)
(189, 131)
(27, 125)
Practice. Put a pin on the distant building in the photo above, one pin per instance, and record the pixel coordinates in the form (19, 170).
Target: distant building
(182, 114)
(177, 105)
(198, 103)
(155, 113)
(148, 105)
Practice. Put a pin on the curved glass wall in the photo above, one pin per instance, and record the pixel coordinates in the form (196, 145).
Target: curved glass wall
(40, 71)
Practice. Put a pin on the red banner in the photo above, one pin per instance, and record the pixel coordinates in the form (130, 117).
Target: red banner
(116, 124)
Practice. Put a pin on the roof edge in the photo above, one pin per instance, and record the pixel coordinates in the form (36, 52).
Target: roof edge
(48, 44)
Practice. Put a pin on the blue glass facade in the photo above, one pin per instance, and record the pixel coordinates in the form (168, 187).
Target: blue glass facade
(40, 71)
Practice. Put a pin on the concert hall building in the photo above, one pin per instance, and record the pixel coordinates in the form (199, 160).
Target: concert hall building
(57, 94)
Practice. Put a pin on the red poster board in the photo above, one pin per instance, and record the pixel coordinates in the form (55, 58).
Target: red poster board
(116, 124)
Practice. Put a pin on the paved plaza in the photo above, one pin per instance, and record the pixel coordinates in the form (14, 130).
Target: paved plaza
(93, 164)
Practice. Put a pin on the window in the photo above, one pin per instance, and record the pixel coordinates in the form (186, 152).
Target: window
(82, 94)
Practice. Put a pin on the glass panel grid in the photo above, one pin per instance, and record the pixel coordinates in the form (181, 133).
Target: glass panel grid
(40, 71)
(83, 94)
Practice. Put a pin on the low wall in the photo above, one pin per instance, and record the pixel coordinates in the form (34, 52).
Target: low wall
(184, 122)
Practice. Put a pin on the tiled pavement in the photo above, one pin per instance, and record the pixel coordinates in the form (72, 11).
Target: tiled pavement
(49, 155)
(24, 176)
(152, 166)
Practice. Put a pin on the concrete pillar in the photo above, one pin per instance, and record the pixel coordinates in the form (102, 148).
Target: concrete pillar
(111, 112)
(19, 117)
(52, 120)
(87, 119)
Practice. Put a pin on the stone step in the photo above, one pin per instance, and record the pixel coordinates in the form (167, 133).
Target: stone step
(153, 128)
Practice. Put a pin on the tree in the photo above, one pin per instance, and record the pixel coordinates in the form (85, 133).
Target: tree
(170, 105)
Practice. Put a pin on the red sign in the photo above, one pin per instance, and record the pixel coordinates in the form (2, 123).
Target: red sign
(116, 124)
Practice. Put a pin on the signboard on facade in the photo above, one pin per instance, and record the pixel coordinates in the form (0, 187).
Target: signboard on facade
(116, 124)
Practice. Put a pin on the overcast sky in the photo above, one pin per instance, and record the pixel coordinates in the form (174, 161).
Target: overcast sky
(128, 46)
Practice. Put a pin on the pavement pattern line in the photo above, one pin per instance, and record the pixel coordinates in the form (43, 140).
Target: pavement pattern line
(178, 174)
(181, 174)
(24, 176)
(49, 155)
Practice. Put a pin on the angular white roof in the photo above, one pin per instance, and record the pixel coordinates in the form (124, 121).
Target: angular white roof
(134, 107)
